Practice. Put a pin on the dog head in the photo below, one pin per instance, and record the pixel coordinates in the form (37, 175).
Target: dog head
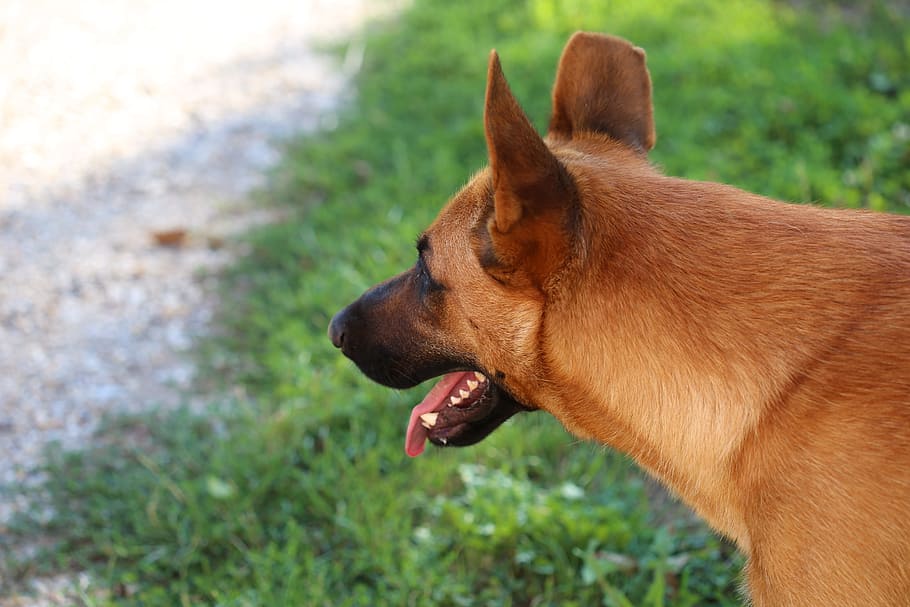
(473, 309)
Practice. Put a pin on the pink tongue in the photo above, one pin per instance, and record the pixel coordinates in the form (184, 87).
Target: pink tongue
(435, 400)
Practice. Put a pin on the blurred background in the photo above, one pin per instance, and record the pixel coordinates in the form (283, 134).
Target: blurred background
(189, 191)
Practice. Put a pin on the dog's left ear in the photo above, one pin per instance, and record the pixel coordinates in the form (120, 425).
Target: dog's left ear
(525, 237)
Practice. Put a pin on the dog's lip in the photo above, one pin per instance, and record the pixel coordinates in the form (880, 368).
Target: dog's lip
(470, 432)
(444, 420)
(437, 399)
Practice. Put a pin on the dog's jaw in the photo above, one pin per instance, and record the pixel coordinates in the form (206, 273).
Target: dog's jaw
(460, 410)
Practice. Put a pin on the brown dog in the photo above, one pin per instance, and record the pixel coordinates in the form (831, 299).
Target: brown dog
(753, 355)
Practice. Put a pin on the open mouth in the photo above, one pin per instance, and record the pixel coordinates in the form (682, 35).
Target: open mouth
(461, 409)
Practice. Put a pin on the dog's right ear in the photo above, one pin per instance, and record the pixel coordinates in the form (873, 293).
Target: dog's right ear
(603, 85)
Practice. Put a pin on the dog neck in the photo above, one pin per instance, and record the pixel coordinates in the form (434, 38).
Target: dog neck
(681, 298)
(654, 395)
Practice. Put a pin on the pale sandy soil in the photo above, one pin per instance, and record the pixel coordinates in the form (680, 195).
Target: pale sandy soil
(119, 120)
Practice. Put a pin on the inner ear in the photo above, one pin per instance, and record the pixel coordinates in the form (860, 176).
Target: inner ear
(484, 249)
(534, 252)
(603, 85)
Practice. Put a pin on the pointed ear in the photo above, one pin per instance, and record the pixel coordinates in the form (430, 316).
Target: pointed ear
(532, 191)
(603, 85)
(526, 175)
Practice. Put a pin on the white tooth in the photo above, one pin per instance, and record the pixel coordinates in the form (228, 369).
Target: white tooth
(464, 393)
(429, 418)
(444, 440)
(480, 376)
(472, 385)
(426, 425)
(454, 400)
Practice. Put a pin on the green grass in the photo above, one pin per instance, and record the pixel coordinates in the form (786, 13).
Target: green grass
(300, 493)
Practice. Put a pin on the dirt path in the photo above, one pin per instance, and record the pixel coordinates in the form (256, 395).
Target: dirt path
(119, 120)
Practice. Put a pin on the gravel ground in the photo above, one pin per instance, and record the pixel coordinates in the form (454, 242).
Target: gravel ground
(121, 121)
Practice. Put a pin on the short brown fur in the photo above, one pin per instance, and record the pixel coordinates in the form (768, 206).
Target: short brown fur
(753, 355)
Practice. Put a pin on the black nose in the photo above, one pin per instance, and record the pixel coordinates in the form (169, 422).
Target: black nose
(337, 327)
